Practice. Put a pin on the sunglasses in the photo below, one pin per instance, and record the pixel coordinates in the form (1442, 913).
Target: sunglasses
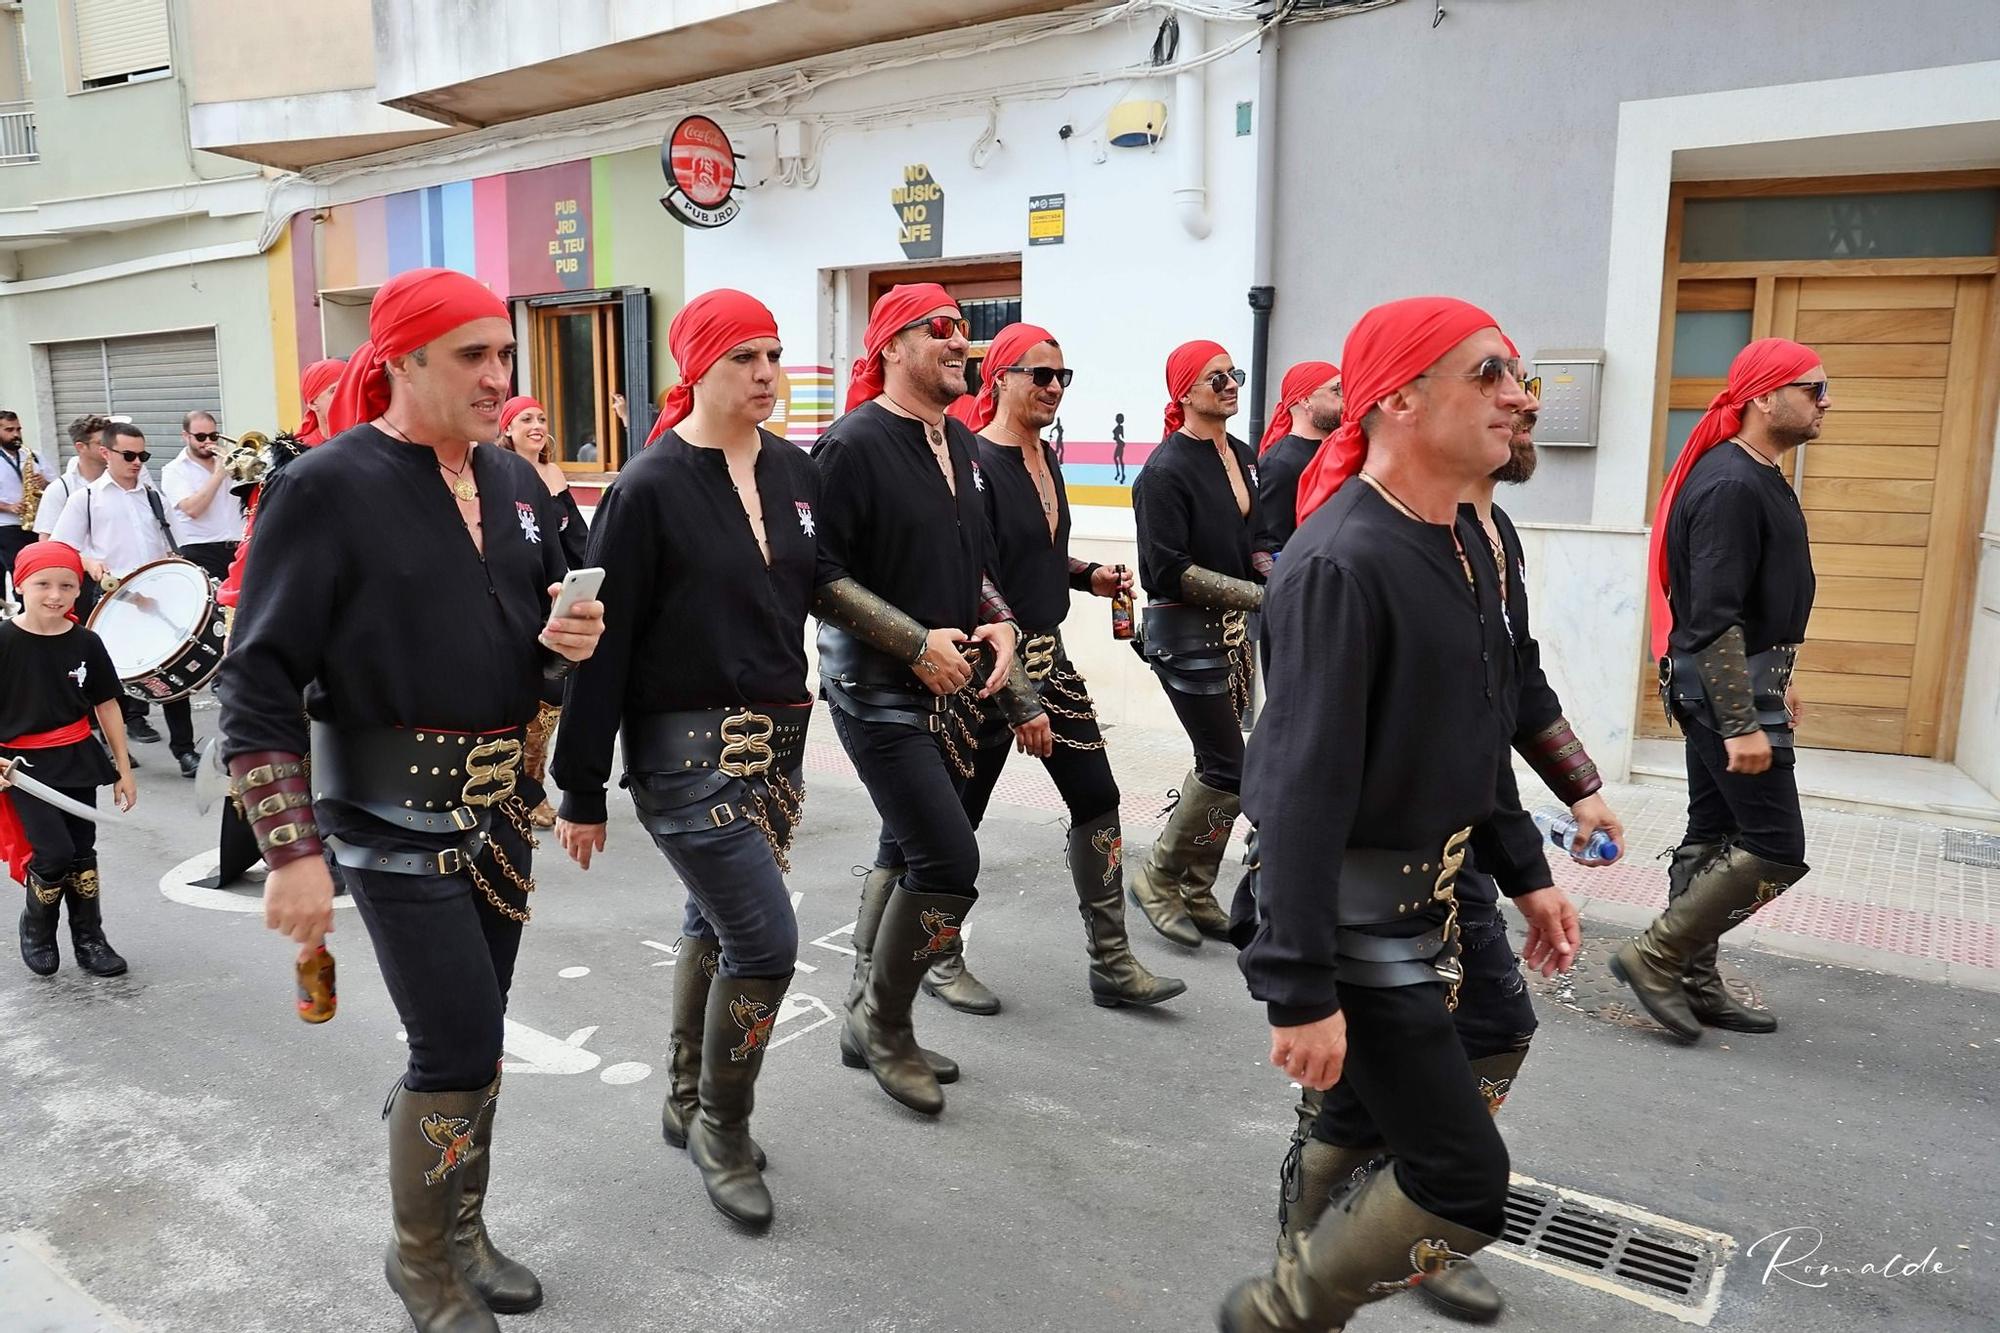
(1819, 388)
(204, 436)
(1218, 380)
(1492, 371)
(941, 327)
(1043, 376)
(130, 456)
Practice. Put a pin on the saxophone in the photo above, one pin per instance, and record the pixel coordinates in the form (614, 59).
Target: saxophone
(32, 486)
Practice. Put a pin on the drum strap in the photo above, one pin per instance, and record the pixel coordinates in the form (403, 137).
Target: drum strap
(160, 517)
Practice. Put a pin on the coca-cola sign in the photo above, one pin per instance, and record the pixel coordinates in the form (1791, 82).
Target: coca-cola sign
(700, 167)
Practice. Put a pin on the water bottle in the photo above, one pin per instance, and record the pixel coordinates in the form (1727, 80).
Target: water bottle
(1559, 827)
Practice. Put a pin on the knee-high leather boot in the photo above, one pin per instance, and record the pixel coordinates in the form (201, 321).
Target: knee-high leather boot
(952, 981)
(1728, 890)
(1213, 817)
(1463, 1291)
(38, 925)
(1158, 884)
(430, 1138)
(875, 890)
(1707, 996)
(1316, 1173)
(507, 1287)
(1116, 976)
(916, 928)
(741, 1014)
(94, 953)
(695, 967)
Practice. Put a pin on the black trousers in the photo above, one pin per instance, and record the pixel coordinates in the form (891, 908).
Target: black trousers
(13, 538)
(213, 557)
(915, 791)
(1757, 811)
(1211, 726)
(179, 715)
(735, 892)
(1082, 775)
(1408, 1085)
(447, 957)
(62, 842)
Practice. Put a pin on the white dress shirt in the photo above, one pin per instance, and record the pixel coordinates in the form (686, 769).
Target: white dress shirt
(56, 496)
(222, 521)
(12, 467)
(109, 523)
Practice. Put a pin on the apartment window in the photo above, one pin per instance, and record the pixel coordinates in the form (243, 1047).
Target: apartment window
(17, 112)
(118, 41)
(578, 366)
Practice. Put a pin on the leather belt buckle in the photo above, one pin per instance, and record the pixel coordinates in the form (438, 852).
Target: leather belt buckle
(722, 814)
(450, 861)
(462, 818)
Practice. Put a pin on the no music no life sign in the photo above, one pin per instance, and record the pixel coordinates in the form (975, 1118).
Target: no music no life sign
(919, 205)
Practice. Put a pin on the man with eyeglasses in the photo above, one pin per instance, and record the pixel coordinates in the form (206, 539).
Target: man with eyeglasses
(1732, 590)
(1386, 631)
(1195, 508)
(1307, 411)
(207, 518)
(119, 523)
(905, 558)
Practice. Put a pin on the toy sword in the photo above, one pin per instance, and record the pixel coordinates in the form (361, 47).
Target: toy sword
(11, 775)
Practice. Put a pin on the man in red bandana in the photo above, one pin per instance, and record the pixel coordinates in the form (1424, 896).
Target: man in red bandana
(401, 585)
(55, 675)
(1386, 632)
(1732, 589)
(906, 555)
(1307, 411)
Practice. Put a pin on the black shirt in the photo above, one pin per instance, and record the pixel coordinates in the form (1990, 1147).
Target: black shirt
(1185, 512)
(365, 592)
(1391, 702)
(692, 616)
(1031, 568)
(572, 532)
(1279, 469)
(1737, 554)
(51, 681)
(888, 520)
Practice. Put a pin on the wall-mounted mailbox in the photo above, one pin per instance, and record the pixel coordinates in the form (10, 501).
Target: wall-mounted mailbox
(1571, 380)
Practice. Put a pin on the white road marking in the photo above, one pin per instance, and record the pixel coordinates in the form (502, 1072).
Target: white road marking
(627, 1071)
(536, 1052)
(178, 885)
(670, 950)
(572, 973)
(798, 1005)
(826, 941)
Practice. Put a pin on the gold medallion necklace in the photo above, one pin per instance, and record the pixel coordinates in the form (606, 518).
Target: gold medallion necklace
(459, 483)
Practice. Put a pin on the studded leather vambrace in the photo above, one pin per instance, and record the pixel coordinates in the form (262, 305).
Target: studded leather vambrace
(1725, 679)
(1559, 759)
(1205, 587)
(1019, 700)
(272, 790)
(845, 603)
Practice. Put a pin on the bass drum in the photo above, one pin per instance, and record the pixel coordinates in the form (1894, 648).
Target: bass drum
(162, 629)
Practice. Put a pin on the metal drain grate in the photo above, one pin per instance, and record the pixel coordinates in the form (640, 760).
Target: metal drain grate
(1972, 849)
(1562, 1230)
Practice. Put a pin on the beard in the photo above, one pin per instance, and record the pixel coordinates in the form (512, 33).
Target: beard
(1520, 464)
(1328, 422)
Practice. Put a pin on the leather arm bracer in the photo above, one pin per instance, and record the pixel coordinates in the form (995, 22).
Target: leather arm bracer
(1561, 762)
(273, 792)
(1205, 587)
(845, 603)
(1725, 678)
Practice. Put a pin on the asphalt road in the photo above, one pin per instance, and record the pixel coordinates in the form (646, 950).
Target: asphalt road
(197, 1159)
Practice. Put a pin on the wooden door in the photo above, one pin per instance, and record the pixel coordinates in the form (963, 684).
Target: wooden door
(1888, 489)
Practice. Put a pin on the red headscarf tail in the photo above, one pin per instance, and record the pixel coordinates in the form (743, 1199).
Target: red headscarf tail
(1765, 365)
(704, 330)
(1183, 364)
(409, 311)
(316, 380)
(900, 305)
(1299, 384)
(961, 410)
(1007, 348)
(1387, 348)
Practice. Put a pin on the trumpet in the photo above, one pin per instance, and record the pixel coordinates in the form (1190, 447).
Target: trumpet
(254, 456)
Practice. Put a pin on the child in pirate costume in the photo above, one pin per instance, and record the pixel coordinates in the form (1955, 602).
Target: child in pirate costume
(401, 583)
(56, 676)
(707, 540)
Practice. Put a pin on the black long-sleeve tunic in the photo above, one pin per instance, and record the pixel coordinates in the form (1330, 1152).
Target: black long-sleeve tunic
(1031, 566)
(1278, 472)
(367, 595)
(888, 520)
(693, 617)
(1737, 554)
(1392, 694)
(1185, 513)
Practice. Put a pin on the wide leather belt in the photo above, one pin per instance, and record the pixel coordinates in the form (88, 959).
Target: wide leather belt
(419, 779)
(1379, 885)
(846, 659)
(1770, 676)
(450, 861)
(1195, 649)
(750, 741)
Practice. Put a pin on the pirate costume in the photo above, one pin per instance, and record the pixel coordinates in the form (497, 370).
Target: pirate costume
(1282, 456)
(702, 669)
(1195, 562)
(54, 684)
(418, 657)
(1374, 625)
(1732, 592)
(902, 552)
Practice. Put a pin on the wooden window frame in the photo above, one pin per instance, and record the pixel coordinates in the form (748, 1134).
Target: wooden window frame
(605, 312)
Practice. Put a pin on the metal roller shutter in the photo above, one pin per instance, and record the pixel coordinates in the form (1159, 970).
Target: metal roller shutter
(117, 37)
(152, 379)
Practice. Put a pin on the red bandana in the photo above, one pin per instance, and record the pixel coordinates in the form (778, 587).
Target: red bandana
(1767, 364)
(514, 407)
(1183, 364)
(701, 334)
(901, 305)
(1007, 348)
(1300, 383)
(38, 556)
(410, 311)
(1389, 347)
(318, 378)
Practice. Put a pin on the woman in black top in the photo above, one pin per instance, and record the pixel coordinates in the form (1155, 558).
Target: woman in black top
(524, 430)
(1195, 505)
(57, 676)
(708, 543)
(1029, 513)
